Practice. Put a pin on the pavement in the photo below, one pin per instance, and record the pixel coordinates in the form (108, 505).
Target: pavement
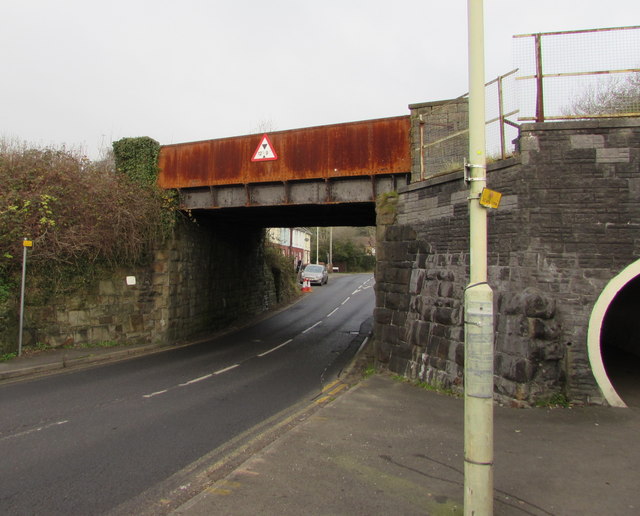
(33, 363)
(380, 446)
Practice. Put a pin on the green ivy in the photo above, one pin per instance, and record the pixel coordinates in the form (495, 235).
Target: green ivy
(137, 158)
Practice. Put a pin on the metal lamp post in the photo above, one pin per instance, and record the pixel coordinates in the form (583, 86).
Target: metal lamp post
(478, 311)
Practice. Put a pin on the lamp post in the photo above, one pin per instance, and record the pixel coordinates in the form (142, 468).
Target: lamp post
(478, 300)
(330, 264)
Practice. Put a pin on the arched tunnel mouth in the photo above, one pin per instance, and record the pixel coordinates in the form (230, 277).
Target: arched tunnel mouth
(620, 342)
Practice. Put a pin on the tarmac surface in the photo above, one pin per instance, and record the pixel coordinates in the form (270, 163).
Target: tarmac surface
(384, 446)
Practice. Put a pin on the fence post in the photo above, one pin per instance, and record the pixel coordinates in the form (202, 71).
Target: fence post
(539, 85)
(503, 152)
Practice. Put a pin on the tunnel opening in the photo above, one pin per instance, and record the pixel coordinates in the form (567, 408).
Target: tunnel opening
(620, 342)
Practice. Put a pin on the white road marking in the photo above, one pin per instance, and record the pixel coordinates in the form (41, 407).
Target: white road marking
(155, 393)
(333, 312)
(196, 380)
(226, 369)
(364, 286)
(273, 349)
(33, 430)
(312, 327)
(345, 301)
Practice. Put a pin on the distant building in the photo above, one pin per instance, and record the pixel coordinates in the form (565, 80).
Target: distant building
(293, 242)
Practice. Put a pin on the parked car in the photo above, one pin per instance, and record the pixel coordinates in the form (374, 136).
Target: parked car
(316, 274)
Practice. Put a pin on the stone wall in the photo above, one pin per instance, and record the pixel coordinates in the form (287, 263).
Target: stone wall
(439, 137)
(566, 225)
(203, 279)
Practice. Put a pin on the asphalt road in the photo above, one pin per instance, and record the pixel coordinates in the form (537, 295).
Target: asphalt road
(92, 441)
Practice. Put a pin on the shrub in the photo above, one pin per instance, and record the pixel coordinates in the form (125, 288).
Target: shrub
(284, 274)
(76, 212)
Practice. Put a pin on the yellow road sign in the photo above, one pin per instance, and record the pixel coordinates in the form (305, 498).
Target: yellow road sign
(490, 198)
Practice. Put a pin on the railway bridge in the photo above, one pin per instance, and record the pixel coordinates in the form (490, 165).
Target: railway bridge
(317, 176)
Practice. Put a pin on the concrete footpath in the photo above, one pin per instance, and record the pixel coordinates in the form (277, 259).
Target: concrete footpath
(387, 447)
(35, 363)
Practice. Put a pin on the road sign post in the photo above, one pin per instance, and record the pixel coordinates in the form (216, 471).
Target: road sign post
(25, 245)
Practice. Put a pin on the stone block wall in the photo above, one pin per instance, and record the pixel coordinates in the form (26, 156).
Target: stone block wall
(205, 278)
(105, 311)
(217, 275)
(566, 225)
(439, 137)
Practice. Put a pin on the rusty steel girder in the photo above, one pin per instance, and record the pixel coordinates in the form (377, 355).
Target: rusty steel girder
(366, 148)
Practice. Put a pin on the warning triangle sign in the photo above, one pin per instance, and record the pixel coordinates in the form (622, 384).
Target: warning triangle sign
(264, 151)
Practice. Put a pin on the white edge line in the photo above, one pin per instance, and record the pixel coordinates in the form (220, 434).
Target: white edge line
(333, 312)
(226, 369)
(312, 327)
(155, 393)
(273, 349)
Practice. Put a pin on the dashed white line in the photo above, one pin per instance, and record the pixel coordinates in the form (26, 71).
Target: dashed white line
(33, 430)
(155, 393)
(226, 369)
(196, 380)
(201, 378)
(273, 349)
(312, 327)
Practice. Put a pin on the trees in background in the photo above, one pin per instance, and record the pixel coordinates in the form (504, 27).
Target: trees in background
(353, 248)
(613, 96)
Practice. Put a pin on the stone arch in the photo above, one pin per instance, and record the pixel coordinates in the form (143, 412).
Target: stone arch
(595, 331)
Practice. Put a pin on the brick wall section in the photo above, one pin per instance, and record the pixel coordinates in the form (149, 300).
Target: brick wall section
(203, 279)
(568, 223)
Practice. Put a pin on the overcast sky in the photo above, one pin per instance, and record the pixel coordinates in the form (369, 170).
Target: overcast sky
(84, 73)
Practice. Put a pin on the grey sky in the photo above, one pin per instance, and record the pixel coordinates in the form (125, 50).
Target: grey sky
(84, 73)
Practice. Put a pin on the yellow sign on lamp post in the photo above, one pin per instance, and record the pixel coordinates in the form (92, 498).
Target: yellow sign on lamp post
(490, 198)
(26, 243)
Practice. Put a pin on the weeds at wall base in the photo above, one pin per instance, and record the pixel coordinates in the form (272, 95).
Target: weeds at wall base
(8, 356)
(440, 389)
(558, 400)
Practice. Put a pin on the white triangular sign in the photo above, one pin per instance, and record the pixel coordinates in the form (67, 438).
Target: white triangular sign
(264, 151)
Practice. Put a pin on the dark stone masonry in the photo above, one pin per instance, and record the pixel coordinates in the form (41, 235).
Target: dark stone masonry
(567, 224)
(205, 278)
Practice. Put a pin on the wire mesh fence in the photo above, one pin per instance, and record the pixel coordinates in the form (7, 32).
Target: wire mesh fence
(567, 75)
(444, 127)
(501, 112)
(578, 74)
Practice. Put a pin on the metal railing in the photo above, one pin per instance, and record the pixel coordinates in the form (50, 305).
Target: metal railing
(579, 74)
(444, 135)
